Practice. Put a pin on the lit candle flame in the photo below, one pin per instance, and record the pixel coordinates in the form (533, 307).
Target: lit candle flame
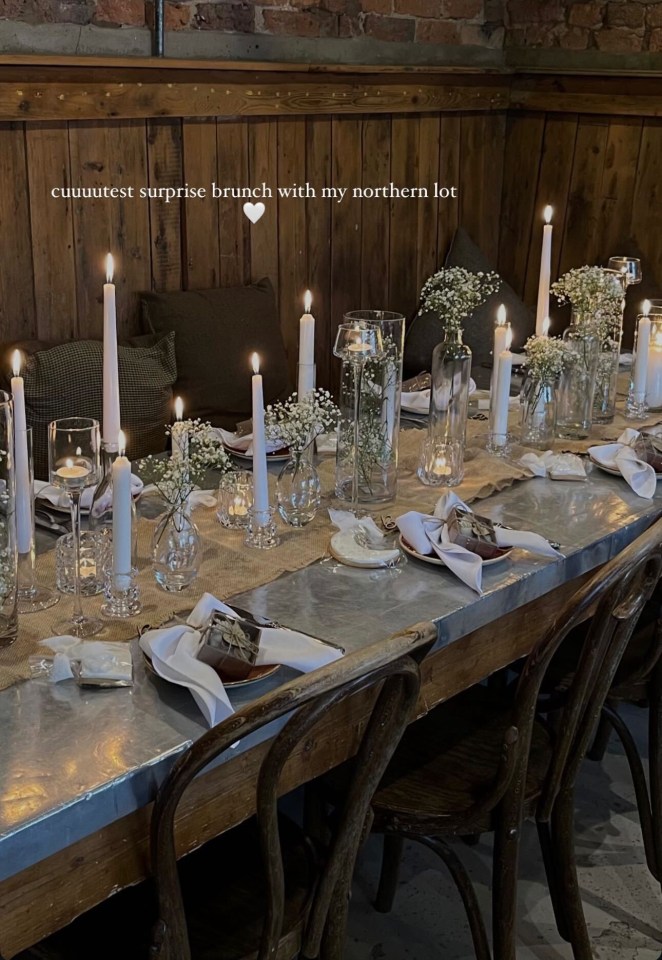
(646, 307)
(501, 315)
(509, 337)
(255, 361)
(547, 214)
(121, 443)
(179, 408)
(110, 268)
(546, 324)
(16, 362)
(307, 301)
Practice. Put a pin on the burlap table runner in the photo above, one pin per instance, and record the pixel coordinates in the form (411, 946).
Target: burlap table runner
(229, 568)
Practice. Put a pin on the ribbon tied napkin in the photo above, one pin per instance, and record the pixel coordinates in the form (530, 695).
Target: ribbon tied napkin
(429, 535)
(58, 498)
(620, 456)
(95, 659)
(173, 652)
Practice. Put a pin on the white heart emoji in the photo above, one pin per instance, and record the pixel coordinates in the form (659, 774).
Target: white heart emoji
(254, 211)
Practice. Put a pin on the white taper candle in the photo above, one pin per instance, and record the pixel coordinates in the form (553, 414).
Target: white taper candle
(542, 310)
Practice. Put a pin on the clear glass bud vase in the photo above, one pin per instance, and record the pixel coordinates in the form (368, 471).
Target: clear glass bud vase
(298, 490)
(442, 460)
(176, 550)
(606, 383)
(538, 426)
(8, 545)
(577, 384)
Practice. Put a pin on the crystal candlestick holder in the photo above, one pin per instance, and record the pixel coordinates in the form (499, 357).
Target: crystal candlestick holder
(261, 529)
(442, 463)
(499, 444)
(122, 595)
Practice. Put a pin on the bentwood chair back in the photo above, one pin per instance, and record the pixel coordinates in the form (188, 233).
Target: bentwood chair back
(390, 671)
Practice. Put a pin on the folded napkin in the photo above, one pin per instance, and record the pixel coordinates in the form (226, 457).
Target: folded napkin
(429, 535)
(620, 456)
(173, 652)
(244, 443)
(57, 496)
(481, 400)
(556, 466)
(346, 520)
(418, 401)
(98, 659)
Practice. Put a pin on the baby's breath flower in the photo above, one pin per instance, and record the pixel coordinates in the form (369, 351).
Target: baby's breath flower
(453, 293)
(175, 479)
(596, 296)
(545, 357)
(296, 423)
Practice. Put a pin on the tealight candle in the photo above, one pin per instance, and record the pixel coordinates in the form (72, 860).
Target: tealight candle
(440, 467)
(72, 471)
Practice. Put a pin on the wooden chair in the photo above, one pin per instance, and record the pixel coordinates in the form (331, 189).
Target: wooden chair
(488, 757)
(260, 891)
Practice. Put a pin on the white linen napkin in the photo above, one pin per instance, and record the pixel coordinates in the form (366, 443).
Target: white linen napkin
(99, 659)
(57, 496)
(418, 401)
(620, 456)
(196, 498)
(244, 444)
(429, 535)
(346, 520)
(173, 652)
(556, 466)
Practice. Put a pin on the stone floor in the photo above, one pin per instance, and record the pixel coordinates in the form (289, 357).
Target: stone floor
(623, 904)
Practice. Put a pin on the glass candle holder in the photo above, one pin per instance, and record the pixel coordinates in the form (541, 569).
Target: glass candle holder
(261, 529)
(122, 595)
(95, 550)
(654, 365)
(628, 267)
(442, 463)
(235, 499)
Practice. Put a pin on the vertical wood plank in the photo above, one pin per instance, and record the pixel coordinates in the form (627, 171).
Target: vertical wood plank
(318, 212)
(292, 236)
(618, 185)
(482, 151)
(346, 219)
(51, 223)
(17, 306)
(648, 197)
(402, 292)
(553, 186)
(449, 176)
(524, 133)
(262, 159)
(428, 210)
(580, 240)
(234, 239)
(165, 165)
(201, 231)
(375, 214)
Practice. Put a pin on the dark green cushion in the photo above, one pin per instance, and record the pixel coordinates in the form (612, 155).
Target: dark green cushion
(67, 381)
(216, 333)
(426, 331)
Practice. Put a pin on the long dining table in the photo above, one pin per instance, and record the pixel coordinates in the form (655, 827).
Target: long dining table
(79, 768)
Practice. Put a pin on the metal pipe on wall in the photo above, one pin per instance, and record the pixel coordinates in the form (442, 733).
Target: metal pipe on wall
(158, 42)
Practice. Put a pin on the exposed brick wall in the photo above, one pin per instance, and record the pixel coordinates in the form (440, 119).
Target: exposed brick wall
(610, 26)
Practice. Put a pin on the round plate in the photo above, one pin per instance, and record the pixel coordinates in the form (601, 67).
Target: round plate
(255, 674)
(361, 557)
(613, 471)
(276, 457)
(440, 563)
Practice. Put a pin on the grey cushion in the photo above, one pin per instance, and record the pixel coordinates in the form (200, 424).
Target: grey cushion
(216, 333)
(426, 331)
(66, 380)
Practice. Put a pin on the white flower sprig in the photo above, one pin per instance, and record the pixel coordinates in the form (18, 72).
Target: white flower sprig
(296, 423)
(596, 296)
(175, 479)
(453, 293)
(546, 357)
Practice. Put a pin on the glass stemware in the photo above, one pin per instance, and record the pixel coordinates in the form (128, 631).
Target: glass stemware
(74, 465)
(628, 267)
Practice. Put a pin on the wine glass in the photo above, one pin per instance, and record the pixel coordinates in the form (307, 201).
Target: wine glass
(74, 465)
(628, 267)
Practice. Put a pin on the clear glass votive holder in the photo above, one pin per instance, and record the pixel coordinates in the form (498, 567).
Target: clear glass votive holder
(442, 462)
(122, 594)
(261, 530)
(235, 499)
(95, 549)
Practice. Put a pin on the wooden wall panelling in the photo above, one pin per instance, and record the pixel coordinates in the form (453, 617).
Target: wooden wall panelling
(51, 224)
(428, 209)
(524, 133)
(202, 254)
(318, 214)
(580, 240)
(617, 186)
(482, 151)
(402, 292)
(262, 168)
(647, 200)
(17, 305)
(110, 154)
(375, 214)
(346, 221)
(234, 235)
(558, 151)
(449, 176)
(293, 277)
(166, 169)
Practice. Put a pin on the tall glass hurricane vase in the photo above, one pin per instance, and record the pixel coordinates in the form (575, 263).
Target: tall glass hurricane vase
(577, 384)
(8, 547)
(370, 391)
(443, 459)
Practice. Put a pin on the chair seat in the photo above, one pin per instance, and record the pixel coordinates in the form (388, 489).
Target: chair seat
(224, 896)
(448, 761)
